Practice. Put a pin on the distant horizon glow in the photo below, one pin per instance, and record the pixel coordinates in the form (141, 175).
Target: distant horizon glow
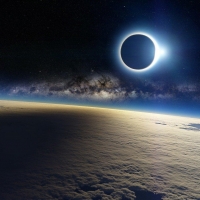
(165, 109)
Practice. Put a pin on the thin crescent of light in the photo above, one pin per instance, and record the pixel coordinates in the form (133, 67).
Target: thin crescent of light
(156, 56)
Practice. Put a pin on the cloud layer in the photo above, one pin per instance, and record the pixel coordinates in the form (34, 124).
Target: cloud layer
(89, 153)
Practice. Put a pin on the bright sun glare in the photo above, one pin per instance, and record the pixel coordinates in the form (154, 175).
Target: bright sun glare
(162, 52)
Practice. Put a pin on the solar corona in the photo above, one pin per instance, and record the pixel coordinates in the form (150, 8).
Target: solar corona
(157, 52)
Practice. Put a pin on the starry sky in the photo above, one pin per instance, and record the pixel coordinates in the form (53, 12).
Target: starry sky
(66, 51)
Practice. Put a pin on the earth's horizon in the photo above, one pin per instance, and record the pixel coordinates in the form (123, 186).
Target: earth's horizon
(107, 107)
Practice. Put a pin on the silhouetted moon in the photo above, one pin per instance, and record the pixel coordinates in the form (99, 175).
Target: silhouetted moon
(138, 51)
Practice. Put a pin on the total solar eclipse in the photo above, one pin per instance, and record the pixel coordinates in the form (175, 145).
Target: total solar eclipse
(139, 51)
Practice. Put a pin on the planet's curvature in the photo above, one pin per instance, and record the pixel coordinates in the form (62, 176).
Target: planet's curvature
(138, 51)
(51, 151)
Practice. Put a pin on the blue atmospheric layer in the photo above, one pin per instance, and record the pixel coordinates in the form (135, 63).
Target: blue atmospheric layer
(173, 108)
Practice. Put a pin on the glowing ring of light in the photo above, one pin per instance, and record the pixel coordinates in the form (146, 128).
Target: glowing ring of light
(156, 55)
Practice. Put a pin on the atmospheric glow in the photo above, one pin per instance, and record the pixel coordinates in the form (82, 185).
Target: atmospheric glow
(158, 52)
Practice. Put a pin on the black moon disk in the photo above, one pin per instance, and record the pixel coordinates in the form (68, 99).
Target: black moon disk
(138, 51)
